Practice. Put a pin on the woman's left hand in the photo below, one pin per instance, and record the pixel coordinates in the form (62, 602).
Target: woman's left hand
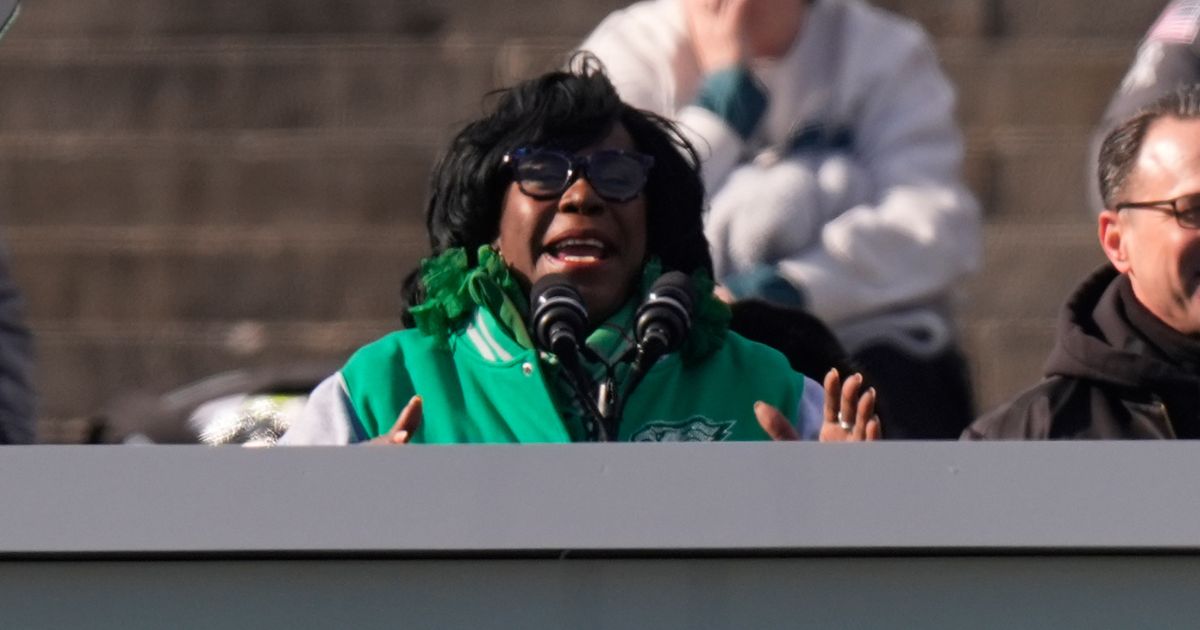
(861, 425)
(849, 414)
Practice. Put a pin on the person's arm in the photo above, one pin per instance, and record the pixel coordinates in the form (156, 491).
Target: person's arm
(16, 366)
(730, 102)
(921, 234)
(1169, 56)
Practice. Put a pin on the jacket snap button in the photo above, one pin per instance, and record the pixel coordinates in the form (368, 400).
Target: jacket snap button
(527, 369)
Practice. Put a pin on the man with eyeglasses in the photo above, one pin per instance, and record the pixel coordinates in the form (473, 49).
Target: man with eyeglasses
(1126, 364)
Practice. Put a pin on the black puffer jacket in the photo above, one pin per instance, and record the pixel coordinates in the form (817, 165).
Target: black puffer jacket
(1104, 379)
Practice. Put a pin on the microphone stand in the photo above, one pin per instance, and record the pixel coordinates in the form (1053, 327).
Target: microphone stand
(581, 385)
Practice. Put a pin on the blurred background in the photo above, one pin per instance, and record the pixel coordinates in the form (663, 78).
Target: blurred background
(191, 186)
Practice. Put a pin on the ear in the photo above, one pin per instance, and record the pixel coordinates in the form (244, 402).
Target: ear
(1113, 239)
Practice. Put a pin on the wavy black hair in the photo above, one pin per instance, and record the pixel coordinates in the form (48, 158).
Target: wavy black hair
(568, 110)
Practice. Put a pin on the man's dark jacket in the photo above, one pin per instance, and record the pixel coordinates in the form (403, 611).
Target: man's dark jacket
(1116, 372)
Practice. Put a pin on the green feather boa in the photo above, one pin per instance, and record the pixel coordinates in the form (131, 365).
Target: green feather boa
(454, 289)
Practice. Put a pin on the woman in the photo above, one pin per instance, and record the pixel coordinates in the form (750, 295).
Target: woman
(561, 177)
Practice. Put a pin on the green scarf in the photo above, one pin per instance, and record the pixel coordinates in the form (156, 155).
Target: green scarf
(454, 289)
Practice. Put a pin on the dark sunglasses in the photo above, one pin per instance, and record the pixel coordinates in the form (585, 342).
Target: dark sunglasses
(1185, 209)
(617, 176)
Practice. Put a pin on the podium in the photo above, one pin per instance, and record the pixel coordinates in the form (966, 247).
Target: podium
(931, 535)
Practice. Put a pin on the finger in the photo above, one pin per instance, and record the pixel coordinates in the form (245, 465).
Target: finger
(774, 423)
(874, 429)
(850, 396)
(409, 421)
(724, 294)
(863, 413)
(833, 389)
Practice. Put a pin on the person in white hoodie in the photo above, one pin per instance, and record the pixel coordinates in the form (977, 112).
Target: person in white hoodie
(833, 167)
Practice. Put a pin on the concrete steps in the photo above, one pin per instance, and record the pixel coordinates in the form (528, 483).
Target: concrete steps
(128, 19)
(368, 178)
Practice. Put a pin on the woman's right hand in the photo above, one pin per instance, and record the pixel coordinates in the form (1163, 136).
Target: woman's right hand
(406, 424)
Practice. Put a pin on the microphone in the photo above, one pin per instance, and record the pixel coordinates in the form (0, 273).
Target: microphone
(663, 322)
(664, 319)
(559, 317)
(558, 325)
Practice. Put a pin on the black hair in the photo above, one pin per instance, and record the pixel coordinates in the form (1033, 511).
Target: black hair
(1122, 145)
(568, 109)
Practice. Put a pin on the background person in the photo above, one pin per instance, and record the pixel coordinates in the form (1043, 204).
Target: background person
(1126, 363)
(16, 345)
(833, 165)
(16, 365)
(561, 177)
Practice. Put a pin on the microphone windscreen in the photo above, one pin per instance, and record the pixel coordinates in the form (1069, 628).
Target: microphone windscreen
(678, 286)
(550, 283)
(664, 319)
(558, 313)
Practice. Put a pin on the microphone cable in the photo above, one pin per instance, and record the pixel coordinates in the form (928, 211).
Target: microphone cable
(558, 325)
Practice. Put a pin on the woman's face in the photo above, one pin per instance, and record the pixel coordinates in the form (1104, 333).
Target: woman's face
(598, 244)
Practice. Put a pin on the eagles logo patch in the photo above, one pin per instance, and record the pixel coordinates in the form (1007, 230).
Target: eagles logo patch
(694, 429)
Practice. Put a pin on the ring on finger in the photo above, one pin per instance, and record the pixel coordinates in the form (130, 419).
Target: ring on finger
(841, 420)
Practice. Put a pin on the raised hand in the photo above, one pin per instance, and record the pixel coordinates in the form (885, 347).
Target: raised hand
(719, 33)
(849, 413)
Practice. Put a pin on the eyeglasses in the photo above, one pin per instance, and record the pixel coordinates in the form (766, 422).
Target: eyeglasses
(617, 176)
(1185, 209)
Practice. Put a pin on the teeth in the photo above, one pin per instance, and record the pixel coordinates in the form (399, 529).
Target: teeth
(578, 249)
(587, 242)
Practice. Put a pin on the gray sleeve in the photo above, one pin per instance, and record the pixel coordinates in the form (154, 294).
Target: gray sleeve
(16, 365)
(327, 418)
(812, 410)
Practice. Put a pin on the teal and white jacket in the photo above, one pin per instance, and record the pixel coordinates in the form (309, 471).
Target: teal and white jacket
(486, 388)
(482, 381)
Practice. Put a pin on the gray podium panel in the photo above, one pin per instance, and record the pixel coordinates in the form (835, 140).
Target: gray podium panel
(927, 535)
(662, 498)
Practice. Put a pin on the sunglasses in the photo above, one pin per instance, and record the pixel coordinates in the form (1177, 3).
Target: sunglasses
(617, 176)
(1185, 209)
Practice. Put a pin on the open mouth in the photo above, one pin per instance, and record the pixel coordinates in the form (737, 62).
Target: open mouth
(578, 250)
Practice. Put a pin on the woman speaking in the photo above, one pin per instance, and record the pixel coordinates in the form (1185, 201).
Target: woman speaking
(569, 298)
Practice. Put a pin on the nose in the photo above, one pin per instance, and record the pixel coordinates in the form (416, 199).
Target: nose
(580, 197)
